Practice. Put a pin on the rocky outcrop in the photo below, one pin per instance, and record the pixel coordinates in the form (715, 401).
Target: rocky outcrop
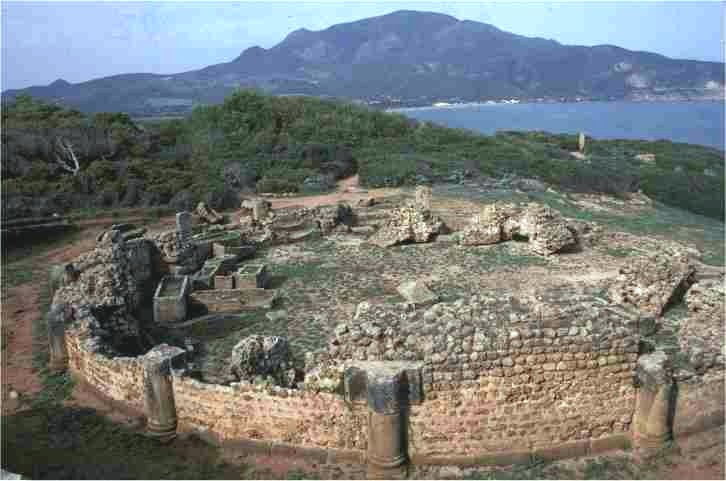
(257, 357)
(651, 282)
(547, 231)
(407, 224)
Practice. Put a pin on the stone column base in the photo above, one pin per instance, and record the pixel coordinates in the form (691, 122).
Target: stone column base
(162, 433)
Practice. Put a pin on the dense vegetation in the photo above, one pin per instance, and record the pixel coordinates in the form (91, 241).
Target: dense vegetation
(261, 143)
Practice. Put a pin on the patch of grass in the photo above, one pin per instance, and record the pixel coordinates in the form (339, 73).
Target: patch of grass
(78, 443)
(18, 258)
(300, 474)
(618, 251)
(619, 467)
(534, 468)
(302, 271)
(56, 387)
(502, 255)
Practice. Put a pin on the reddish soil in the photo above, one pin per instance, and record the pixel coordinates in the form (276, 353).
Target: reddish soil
(20, 307)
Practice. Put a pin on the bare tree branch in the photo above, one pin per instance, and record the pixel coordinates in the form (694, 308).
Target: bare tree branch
(66, 151)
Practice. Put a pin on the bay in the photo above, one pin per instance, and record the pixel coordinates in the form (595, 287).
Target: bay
(696, 122)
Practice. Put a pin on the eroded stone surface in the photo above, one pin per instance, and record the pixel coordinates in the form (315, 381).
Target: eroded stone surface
(417, 292)
(112, 279)
(546, 230)
(650, 282)
(701, 336)
(407, 224)
(263, 356)
(328, 218)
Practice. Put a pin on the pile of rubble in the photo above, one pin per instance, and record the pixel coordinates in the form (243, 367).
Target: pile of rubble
(545, 229)
(113, 278)
(257, 358)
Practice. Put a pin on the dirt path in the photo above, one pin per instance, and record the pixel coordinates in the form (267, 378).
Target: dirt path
(348, 190)
(21, 306)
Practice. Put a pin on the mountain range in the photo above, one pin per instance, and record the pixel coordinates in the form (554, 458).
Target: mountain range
(402, 58)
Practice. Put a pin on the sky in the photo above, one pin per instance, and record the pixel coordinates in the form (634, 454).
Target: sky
(78, 41)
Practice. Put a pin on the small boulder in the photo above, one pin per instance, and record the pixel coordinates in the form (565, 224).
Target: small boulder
(551, 238)
(417, 293)
(530, 185)
(208, 214)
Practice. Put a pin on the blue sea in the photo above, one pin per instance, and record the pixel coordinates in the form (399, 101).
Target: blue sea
(699, 122)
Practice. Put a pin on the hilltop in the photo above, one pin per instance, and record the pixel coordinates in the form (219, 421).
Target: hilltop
(405, 57)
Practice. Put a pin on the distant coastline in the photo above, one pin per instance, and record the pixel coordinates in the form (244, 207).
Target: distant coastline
(698, 122)
(494, 103)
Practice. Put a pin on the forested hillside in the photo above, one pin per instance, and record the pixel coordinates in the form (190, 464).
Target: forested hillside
(260, 143)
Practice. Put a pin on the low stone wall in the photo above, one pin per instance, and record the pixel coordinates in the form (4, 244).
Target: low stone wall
(242, 411)
(524, 412)
(226, 413)
(500, 418)
(699, 404)
(119, 378)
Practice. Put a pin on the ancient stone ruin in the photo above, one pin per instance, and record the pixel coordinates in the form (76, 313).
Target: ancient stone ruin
(560, 372)
(544, 228)
(410, 223)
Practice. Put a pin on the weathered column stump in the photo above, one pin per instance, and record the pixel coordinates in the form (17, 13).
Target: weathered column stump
(388, 388)
(56, 324)
(159, 405)
(652, 423)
